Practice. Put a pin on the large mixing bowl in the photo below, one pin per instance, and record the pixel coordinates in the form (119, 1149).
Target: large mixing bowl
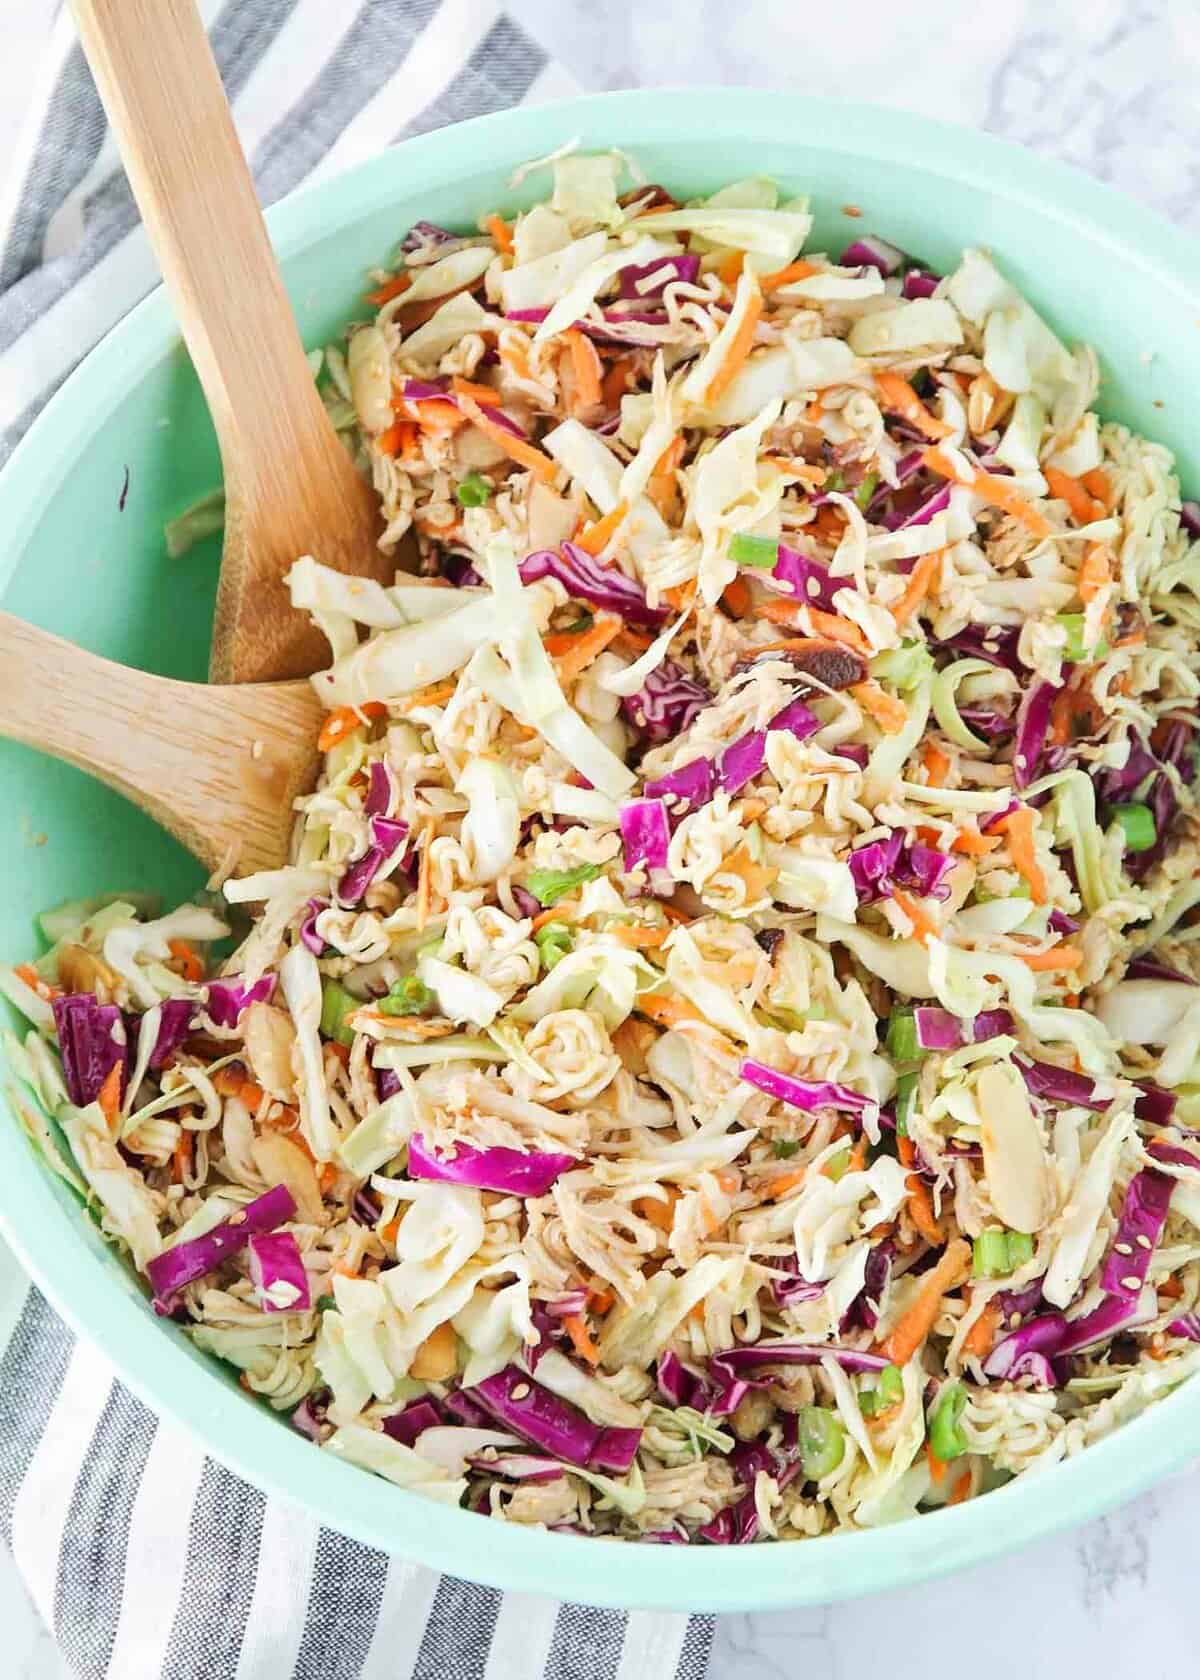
(74, 560)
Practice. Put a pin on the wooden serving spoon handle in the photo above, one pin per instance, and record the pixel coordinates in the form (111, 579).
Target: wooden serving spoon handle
(217, 766)
(290, 486)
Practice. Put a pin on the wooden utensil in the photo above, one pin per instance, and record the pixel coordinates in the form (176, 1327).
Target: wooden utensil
(290, 487)
(218, 766)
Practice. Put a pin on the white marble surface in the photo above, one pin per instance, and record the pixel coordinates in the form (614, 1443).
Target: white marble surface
(1108, 85)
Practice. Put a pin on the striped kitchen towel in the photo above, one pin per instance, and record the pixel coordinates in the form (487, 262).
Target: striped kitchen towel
(146, 1559)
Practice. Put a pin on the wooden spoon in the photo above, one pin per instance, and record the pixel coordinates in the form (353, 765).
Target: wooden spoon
(290, 487)
(217, 766)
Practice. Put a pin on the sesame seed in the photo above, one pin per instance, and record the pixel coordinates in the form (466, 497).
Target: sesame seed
(1131, 1283)
(521, 1391)
(1143, 1240)
(1123, 1248)
(256, 751)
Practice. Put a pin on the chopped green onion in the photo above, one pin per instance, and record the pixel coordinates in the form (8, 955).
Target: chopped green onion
(906, 1102)
(837, 1165)
(474, 491)
(583, 622)
(891, 1384)
(745, 550)
(1137, 824)
(549, 885)
(997, 1253)
(902, 1045)
(866, 489)
(1075, 651)
(785, 1148)
(946, 1438)
(888, 1391)
(409, 996)
(990, 1255)
(553, 942)
(822, 1441)
(1020, 1249)
(906, 666)
(834, 481)
(326, 1303)
(336, 1004)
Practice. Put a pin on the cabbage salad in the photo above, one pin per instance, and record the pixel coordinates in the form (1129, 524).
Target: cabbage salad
(723, 1060)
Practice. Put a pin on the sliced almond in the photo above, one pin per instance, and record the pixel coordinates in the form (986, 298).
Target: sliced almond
(81, 970)
(1019, 1181)
(270, 1038)
(281, 1161)
(436, 1360)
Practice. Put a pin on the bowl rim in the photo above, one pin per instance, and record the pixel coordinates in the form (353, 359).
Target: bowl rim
(240, 1434)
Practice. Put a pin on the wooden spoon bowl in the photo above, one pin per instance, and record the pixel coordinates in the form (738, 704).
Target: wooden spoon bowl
(218, 766)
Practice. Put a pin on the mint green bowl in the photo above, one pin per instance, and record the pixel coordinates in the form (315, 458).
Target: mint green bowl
(1100, 267)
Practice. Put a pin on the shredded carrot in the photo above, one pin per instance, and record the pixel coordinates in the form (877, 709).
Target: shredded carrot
(515, 360)
(344, 720)
(921, 581)
(436, 694)
(899, 396)
(780, 1185)
(918, 1320)
(937, 1466)
(416, 1026)
(889, 712)
(1019, 826)
(757, 878)
(800, 270)
(181, 1158)
(521, 451)
(730, 266)
(738, 349)
(666, 1009)
(599, 533)
(1093, 572)
(424, 877)
(398, 436)
(586, 368)
(659, 1212)
(573, 651)
(326, 1177)
(485, 395)
(188, 958)
(981, 1336)
(631, 642)
(737, 599)
(617, 380)
(1135, 639)
(827, 625)
(600, 1299)
(1064, 488)
(680, 595)
(728, 1181)
(639, 938)
(390, 289)
(1062, 715)
(1062, 958)
(961, 1489)
(972, 844)
(796, 468)
(661, 486)
(556, 913)
(830, 523)
(997, 491)
(814, 412)
(390, 1231)
(1171, 1288)
(109, 1095)
(924, 929)
(919, 1201)
(937, 766)
(581, 1339)
(1096, 484)
(31, 977)
(500, 231)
